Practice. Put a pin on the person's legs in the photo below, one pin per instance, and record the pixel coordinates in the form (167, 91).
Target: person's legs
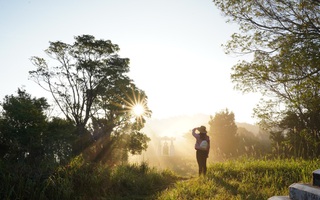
(202, 162)
(199, 161)
(205, 164)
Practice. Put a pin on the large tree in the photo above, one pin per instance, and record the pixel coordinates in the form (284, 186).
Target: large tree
(223, 130)
(284, 38)
(89, 83)
(78, 74)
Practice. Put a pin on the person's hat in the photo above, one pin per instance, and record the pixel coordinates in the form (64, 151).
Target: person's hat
(202, 129)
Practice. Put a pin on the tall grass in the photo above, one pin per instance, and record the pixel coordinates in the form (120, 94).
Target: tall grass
(81, 180)
(244, 179)
(239, 179)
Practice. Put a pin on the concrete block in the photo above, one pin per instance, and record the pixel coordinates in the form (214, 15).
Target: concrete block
(316, 178)
(300, 191)
(279, 198)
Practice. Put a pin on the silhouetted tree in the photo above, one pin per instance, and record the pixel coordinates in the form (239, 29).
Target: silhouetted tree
(22, 128)
(88, 82)
(59, 139)
(28, 136)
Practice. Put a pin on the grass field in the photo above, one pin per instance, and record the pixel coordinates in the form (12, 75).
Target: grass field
(240, 179)
(244, 179)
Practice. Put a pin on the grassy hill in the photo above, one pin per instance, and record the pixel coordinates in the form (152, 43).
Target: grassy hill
(244, 179)
(240, 179)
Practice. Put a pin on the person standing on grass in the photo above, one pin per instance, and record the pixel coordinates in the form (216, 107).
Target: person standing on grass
(202, 147)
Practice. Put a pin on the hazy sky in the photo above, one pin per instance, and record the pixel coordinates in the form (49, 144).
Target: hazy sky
(174, 47)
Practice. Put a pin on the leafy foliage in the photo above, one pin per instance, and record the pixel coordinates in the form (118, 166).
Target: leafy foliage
(22, 127)
(59, 139)
(27, 135)
(284, 38)
(88, 82)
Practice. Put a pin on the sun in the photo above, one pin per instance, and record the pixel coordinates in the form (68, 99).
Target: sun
(138, 109)
(133, 103)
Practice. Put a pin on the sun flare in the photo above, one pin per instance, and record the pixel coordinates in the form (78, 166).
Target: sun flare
(133, 103)
(138, 109)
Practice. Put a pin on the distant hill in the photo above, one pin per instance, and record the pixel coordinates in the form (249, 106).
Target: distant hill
(179, 125)
(250, 127)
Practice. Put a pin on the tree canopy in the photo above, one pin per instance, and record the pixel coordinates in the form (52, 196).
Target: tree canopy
(88, 81)
(284, 38)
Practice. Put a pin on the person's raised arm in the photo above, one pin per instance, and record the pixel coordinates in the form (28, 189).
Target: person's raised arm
(194, 133)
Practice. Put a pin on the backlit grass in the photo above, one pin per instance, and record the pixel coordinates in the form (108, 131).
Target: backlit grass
(239, 179)
(244, 179)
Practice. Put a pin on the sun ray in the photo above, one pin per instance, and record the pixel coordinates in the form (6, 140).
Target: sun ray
(134, 103)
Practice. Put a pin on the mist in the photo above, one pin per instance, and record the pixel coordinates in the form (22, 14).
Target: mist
(172, 144)
(173, 153)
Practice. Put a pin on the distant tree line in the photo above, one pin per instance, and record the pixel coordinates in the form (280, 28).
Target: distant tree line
(228, 141)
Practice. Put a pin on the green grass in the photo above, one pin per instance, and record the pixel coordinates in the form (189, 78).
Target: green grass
(81, 180)
(244, 179)
(240, 179)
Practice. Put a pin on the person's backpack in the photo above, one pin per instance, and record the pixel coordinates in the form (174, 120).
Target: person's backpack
(204, 145)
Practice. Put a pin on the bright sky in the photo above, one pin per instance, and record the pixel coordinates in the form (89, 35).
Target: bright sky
(174, 47)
